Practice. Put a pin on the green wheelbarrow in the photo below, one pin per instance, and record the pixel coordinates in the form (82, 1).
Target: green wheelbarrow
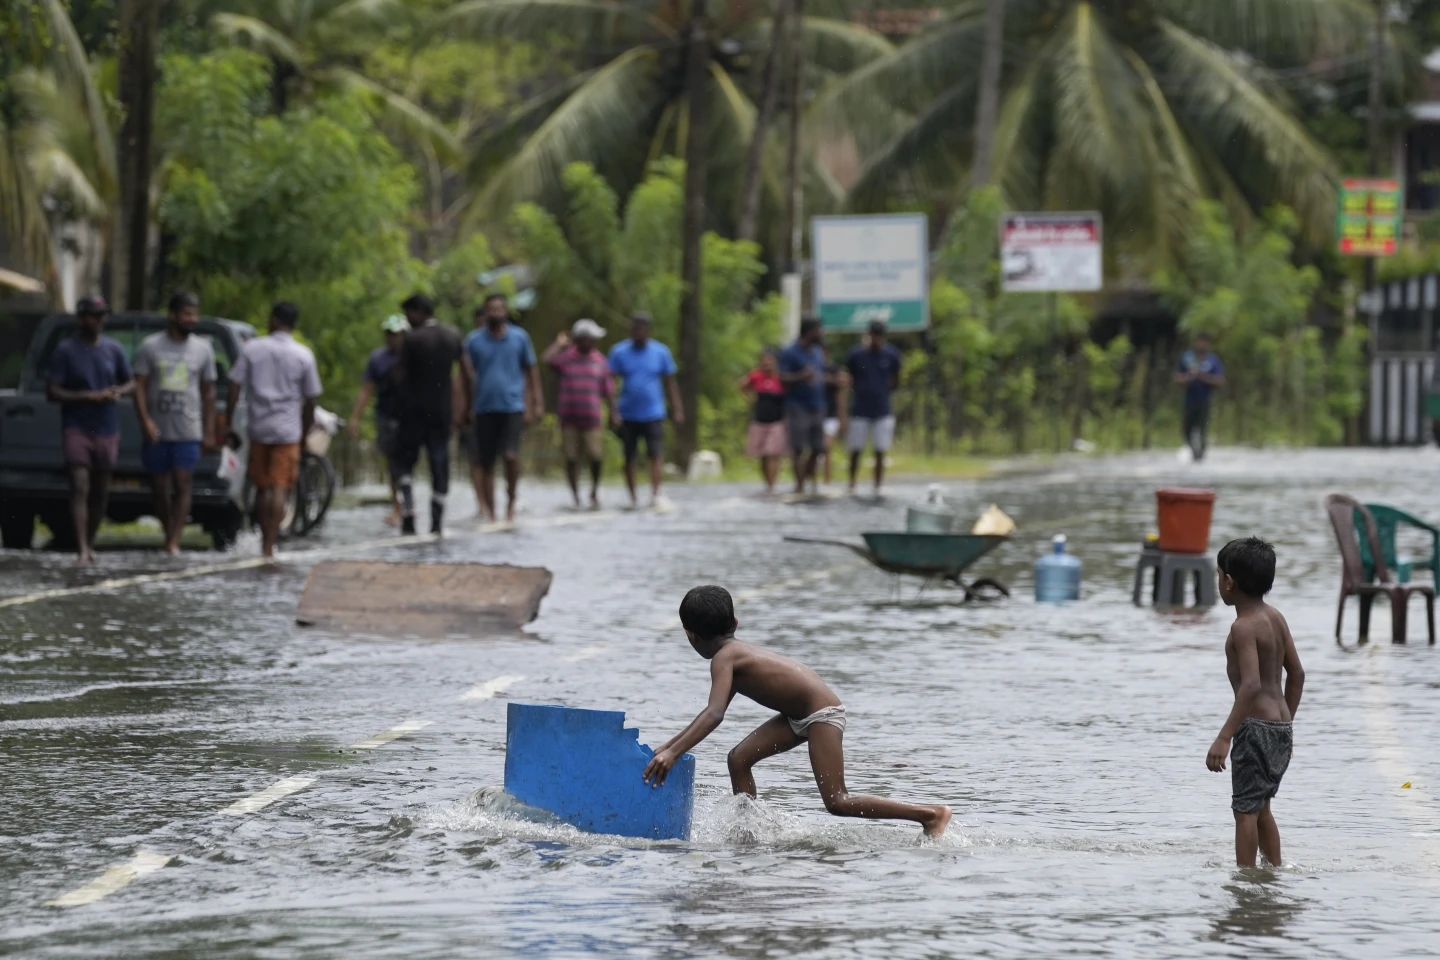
(933, 556)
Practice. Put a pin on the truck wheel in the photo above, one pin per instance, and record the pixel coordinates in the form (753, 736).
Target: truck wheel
(17, 525)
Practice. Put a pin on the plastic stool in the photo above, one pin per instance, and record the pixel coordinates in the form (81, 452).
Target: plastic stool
(1171, 570)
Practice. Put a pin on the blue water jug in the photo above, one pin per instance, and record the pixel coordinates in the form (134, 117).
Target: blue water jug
(1057, 575)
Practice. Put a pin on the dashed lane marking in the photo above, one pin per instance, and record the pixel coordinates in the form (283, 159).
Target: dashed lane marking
(394, 733)
(115, 878)
(585, 653)
(488, 689)
(263, 799)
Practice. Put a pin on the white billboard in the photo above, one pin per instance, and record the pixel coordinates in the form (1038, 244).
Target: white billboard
(871, 268)
(1051, 252)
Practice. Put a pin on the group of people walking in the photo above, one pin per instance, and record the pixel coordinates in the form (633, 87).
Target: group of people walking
(430, 384)
(801, 404)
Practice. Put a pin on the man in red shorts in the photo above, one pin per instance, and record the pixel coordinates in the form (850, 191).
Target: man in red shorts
(88, 373)
(281, 384)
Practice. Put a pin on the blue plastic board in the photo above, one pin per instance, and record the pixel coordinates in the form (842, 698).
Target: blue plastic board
(584, 766)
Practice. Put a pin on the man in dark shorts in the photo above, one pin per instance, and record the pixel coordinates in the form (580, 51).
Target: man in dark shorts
(641, 365)
(379, 382)
(1257, 735)
(88, 374)
(175, 403)
(802, 370)
(502, 395)
(1200, 373)
(425, 378)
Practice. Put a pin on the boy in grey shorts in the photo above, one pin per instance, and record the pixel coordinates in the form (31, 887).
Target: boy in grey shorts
(807, 711)
(1257, 735)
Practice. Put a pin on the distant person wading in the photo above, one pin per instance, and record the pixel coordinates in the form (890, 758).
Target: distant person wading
(585, 385)
(425, 379)
(1200, 373)
(646, 372)
(379, 382)
(502, 397)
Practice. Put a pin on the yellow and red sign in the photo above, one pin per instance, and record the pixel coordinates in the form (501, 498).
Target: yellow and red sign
(1368, 217)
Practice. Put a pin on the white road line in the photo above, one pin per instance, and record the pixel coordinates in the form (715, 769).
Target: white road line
(583, 654)
(488, 689)
(118, 876)
(263, 799)
(756, 593)
(394, 733)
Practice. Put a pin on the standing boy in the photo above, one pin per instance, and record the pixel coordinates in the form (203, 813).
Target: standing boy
(281, 384)
(802, 371)
(874, 375)
(502, 393)
(807, 710)
(585, 386)
(1257, 735)
(643, 365)
(88, 374)
(175, 402)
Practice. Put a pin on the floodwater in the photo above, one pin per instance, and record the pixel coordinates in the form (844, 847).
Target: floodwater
(1070, 741)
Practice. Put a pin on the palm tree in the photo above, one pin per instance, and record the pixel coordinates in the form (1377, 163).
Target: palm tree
(312, 44)
(57, 158)
(1133, 107)
(630, 107)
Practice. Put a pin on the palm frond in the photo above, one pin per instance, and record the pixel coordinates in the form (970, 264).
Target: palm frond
(839, 47)
(930, 153)
(539, 19)
(395, 109)
(1289, 31)
(1267, 150)
(605, 117)
(1176, 183)
(906, 80)
(260, 35)
(1095, 110)
(494, 146)
(74, 69)
(57, 173)
(366, 13)
(1022, 133)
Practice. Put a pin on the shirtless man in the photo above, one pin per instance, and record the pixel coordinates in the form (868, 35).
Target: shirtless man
(1256, 735)
(807, 710)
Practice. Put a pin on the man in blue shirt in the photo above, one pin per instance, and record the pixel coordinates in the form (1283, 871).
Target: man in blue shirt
(874, 375)
(502, 393)
(88, 374)
(802, 371)
(1200, 373)
(641, 365)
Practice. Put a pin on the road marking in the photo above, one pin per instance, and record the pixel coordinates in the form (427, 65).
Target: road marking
(756, 593)
(584, 654)
(91, 688)
(394, 733)
(263, 799)
(488, 689)
(118, 876)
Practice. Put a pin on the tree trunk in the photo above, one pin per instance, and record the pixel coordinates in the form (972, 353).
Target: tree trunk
(138, 43)
(987, 108)
(693, 228)
(769, 93)
(793, 210)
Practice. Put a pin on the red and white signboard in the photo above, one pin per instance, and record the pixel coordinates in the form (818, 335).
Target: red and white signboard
(1050, 252)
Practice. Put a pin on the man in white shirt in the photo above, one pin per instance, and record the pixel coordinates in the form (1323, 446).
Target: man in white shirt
(281, 384)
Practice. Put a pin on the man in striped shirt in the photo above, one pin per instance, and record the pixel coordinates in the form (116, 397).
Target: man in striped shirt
(584, 383)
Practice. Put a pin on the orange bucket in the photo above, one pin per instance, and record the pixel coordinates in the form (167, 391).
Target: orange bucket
(1184, 518)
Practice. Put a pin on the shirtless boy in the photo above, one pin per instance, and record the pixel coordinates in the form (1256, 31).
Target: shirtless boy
(1257, 733)
(807, 710)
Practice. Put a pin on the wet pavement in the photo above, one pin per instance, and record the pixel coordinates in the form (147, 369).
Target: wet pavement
(135, 723)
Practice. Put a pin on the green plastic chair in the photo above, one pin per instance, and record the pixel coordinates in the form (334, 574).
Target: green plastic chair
(1387, 520)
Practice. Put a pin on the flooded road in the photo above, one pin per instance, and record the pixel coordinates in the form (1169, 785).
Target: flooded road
(219, 782)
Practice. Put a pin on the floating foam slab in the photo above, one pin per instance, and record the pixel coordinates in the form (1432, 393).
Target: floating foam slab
(426, 600)
(584, 766)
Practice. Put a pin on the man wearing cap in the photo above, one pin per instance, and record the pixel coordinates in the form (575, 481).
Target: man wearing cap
(88, 374)
(584, 385)
(802, 371)
(379, 382)
(502, 394)
(425, 378)
(642, 364)
(175, 403)
(874, 368)
(281, 384)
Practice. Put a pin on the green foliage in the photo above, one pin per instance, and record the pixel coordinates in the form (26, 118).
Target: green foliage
(595, 262)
